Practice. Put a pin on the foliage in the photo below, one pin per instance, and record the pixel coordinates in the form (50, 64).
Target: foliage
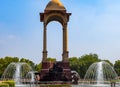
(79, 64)
(117, 67)
(4, 85)
(51, 59)
(38, 67)
(11, 83)
(82, 63)
(4, 62)
(74, 63)
(108, 62)
(28, 62)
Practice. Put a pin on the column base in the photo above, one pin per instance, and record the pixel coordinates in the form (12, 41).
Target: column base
(65, 56)
(44, 56)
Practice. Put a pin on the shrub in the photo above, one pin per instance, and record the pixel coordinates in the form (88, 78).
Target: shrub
(11, 83)
(4, 85)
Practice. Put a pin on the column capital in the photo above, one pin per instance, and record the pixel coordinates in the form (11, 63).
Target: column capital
(65, 24)
(45, 24)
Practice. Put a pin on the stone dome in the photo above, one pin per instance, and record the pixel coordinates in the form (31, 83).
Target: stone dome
(55, 5)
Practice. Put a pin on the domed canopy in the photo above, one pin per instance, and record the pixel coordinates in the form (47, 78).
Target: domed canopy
(55, 5)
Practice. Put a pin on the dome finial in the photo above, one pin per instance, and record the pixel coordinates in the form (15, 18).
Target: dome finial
(55, 0)
(55, 5)
(58, 1)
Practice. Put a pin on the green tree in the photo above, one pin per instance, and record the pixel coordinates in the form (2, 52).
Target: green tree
(85, 61)
(82, 63)
(39, 66)
(108, 62)
(51, 59)
(1, 66)
(4, 62)
(117, 67)
(74, 63)
(31, 63)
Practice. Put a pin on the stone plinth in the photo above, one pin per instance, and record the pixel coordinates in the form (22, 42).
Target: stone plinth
(58, 71)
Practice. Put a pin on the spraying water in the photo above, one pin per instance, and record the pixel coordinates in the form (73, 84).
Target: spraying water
(100, 77)
(17, 72)
(100, 74)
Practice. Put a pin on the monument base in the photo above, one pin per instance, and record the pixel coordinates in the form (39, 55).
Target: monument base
(58, 71)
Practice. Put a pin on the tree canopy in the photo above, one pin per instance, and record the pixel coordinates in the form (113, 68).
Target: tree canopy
(117, 67)
(79, 64)
(82, 63)
(4, 62)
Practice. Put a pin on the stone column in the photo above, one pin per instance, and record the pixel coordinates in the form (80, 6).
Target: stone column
(44, 44)
(65, 43)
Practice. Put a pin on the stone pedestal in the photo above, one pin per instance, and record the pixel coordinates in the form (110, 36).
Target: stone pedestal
(45, 68)
(58, 71)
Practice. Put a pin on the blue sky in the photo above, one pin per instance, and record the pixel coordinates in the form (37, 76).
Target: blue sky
(94, 27)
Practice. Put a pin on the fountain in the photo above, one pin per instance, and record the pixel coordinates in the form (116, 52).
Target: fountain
(100, 74)
(17, 72)
(31, 75)
(75, 77)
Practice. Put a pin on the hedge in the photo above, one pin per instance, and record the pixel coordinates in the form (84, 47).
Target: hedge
(4, 85)
(11, 83)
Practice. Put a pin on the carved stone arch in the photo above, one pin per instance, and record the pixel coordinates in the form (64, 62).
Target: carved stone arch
(55, 17)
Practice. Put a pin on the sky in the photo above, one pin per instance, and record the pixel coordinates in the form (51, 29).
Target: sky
(94, 27)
